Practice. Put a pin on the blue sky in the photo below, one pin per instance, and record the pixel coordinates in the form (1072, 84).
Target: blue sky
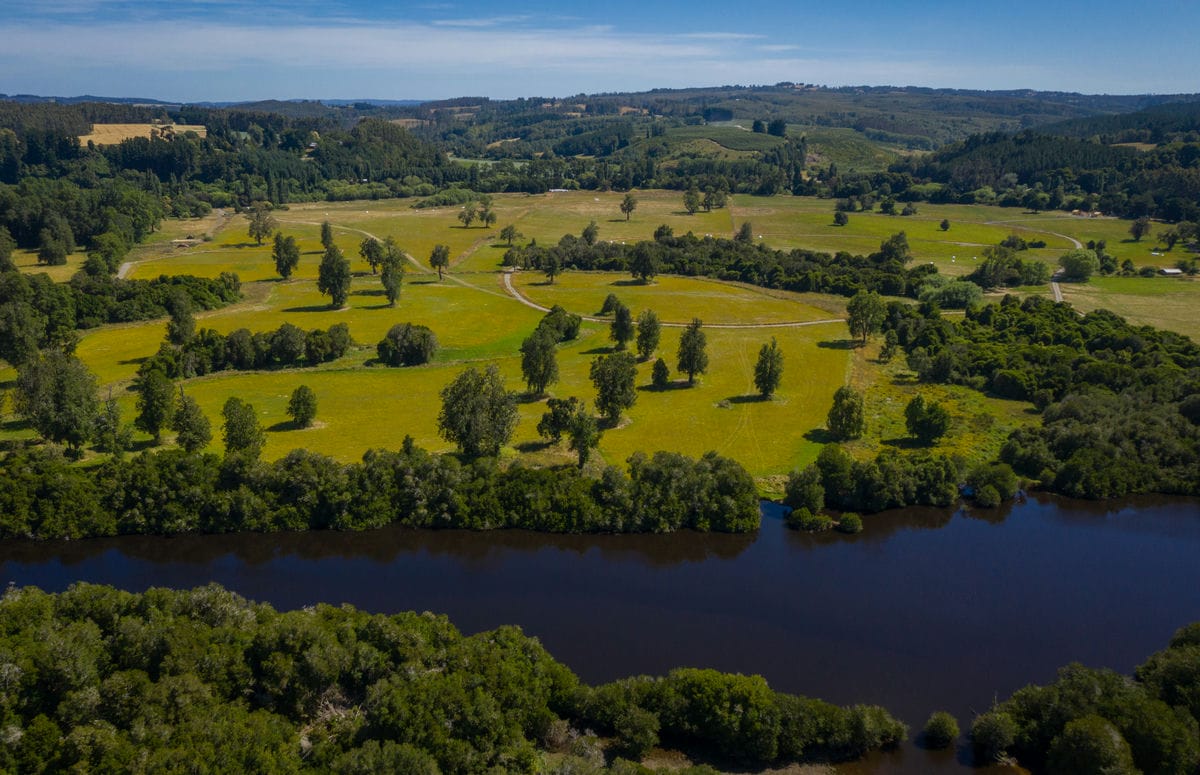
(196, 50)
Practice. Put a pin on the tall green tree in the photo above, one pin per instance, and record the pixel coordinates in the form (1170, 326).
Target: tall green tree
(613, 377)
(56, 393)
(510, 233)
(181, 326)
(693, 351)
(846, 419)
(583, 435)
(439, 258)
(302, 406)
(286, 254)
(691, 200)
(591, 233)
(326, 235)
(193, 431)
(926, 421)
(478, 414)
(155, 403)
(768, 370)
(628, 205)
(645, 262)
(262, 223)
(622, 329)
(539, 360)
(7, 246)
(392, 274)
(556, 420)
(865, 312)
(371, 251)
(487, 216)
(110, 434)
(333, 277)
(1079, 265)
(243, 434)
(649, 329)
(467, 215)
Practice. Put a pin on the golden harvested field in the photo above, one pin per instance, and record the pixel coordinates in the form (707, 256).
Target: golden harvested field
(111, 134)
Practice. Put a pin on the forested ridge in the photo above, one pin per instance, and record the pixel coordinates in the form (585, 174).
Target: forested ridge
(98, 679)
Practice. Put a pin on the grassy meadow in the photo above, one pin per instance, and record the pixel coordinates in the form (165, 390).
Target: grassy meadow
(477, 322)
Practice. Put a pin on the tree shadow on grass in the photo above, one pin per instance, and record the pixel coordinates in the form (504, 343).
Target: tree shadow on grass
(601, 351)
(371, 292)
(286, 425)
(311, 308)
(430, 281)
(526, 447)
(15, 425)
(672, 385)
(840, 344)
(530, 398)
(628, 283)
(820, 436)
(905, 442)
(750, 398)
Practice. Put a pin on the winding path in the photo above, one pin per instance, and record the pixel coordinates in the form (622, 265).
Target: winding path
(512, 291)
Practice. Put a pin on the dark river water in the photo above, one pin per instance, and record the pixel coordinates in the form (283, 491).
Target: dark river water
(926, 610)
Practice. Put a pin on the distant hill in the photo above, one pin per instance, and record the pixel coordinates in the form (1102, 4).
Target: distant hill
(1157, 124)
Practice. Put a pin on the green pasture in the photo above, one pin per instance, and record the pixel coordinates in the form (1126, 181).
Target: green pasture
(27, 261)
(1166, 302)
(733, 136)
(848, 148)
(673, 299)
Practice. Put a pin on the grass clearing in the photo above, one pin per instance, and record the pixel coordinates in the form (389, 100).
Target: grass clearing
(112, 134)
(27, 261)
(1165, 302)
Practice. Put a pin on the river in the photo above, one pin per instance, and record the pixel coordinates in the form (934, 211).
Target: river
(926, 610)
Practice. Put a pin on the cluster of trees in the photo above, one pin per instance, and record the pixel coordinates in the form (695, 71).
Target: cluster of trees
(176, 491)
(739, 259)
(36, 312)
(288, 346)
(1092, 720)
(101, 678)
(1119, 409)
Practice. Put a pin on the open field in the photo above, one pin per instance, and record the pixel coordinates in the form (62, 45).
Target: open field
(27, 261)
(477, 322)
(111, 134)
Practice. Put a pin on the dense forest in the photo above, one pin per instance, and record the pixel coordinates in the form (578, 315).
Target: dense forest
(95, 679)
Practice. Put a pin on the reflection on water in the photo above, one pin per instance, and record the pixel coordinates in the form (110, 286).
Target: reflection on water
(927, 609)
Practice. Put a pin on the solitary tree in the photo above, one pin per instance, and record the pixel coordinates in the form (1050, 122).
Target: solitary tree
(439, 259)
(286, 254)
(57, 395)
(392, 275)
(551, 266)
(691, 200)
(478, 414)
(467, 215)
(244, 436)
(326, 235)
(769, 369)
(660, 375)
(865, 313)
(407, 344)
(510, 233)
(614, 376)
(487, 216)
(371, 250)
(192, 429)
(745, 233)
(557, 418)
(302, 406)
(693, 358)
(1079, 265)
(333, 277)
(840, 218)
(262, 223)
(628, 205)
(590, 233)
(539, 360)
(846, 419)
(155, 403)
(621, 330)
(944, 225)
(648, 332)
(1140, 228)
(583, 434)
(926, 421)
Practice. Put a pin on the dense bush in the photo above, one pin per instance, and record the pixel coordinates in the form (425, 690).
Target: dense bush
(286, 346)
(407, 344)
(165, 679)
(42, 496)
(1096, 720)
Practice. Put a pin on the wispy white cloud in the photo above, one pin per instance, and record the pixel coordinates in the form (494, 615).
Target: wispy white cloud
(491, 21)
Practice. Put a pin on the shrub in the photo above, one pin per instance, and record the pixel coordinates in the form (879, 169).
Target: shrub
(992, 734)
(850, 523)
(407, 344)
(941, 730)
(803, 519)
